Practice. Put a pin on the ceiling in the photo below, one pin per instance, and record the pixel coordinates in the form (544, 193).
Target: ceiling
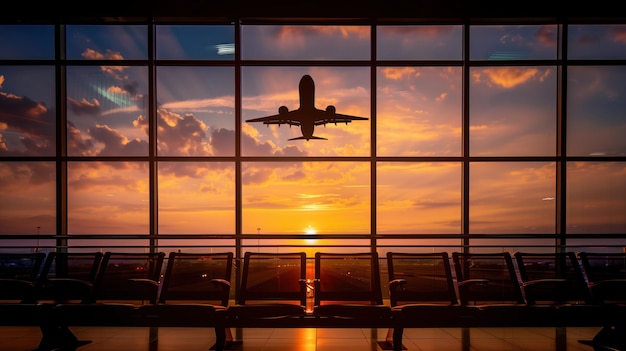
(121, 10)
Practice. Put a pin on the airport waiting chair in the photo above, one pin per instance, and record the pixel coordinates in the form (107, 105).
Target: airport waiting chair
(124, 282)
(69, 276)
(552, 278)
(421, 293)
(66, 277)
(273, 285)
(18, 295)
(195, 291)
(133, 277)
(347, 287)
(18, 276)
(606, 277)
(490, 292)
(272, 289)
(487, 279)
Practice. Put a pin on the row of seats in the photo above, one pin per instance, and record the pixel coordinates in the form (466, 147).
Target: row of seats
(60, 290)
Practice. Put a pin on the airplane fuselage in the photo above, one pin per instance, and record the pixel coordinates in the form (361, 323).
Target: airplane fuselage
(307, 106)
(307, 93)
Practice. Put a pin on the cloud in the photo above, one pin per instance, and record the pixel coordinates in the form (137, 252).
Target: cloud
(547, 35)
(84, 107)
(302, 34)
(199, 105)
(91, 54)
(77, 143)
(397, 73)
(117, 144)
(223, 142)
(181, 135)
(419, 31)
(507, 77)
(32, 120)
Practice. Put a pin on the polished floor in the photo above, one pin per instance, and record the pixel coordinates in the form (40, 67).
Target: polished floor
(200, 339)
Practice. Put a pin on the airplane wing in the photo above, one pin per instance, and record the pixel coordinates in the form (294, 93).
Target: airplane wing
(277, 119)
(284, 116)
(329, 116)
(338, 118)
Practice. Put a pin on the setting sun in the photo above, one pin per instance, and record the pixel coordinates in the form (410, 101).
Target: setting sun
(310, 230)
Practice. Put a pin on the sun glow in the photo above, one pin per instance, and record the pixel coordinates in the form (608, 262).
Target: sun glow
(310, 230)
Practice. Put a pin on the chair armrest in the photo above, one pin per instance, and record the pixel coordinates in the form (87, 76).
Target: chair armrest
(224, 286)
(540, 282)
(464, 289)
(470, 282)
(148, 289)
(221, 283)
(609, 282)
(536, 290)
(144, 282)
(396, 283)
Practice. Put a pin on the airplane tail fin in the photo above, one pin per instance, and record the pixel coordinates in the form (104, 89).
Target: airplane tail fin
(305, 138)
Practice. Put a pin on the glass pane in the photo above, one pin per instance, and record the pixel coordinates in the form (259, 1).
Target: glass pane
(523, 42)
(196, 114)
(302, 42)
(418, 198)
(196, 245)
(302, 197)
(596, 123)
(26, 42)
(512, 197)
(107, 111)
(419, 111)
(108, 198)
(596, 41)
(104, 245)
(598, 245)
(513, 111)
(23, 245)
(196, 198)
(511, 245)
(411, 245)
(27, 112)
(266, 89)
(28, 193)
(107, 42)
(440, 42)
(595, 198)
(308, 243)
(195, 42)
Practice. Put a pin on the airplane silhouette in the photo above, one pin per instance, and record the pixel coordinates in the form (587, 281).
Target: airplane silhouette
(307, 116)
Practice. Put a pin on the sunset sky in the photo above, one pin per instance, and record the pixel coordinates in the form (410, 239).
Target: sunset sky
(418, 113)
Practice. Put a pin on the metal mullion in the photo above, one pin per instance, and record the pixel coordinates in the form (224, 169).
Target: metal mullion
(61, 162)
(152, 143)
(466, 144)
(373, 144)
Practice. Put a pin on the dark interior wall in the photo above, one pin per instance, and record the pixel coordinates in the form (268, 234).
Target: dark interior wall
(112, 10)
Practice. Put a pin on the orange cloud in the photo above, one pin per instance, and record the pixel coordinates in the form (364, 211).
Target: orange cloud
(547, 35)
(397, 73)
(91, 54)
(421, 31)
(508, 77)
(344, 31)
